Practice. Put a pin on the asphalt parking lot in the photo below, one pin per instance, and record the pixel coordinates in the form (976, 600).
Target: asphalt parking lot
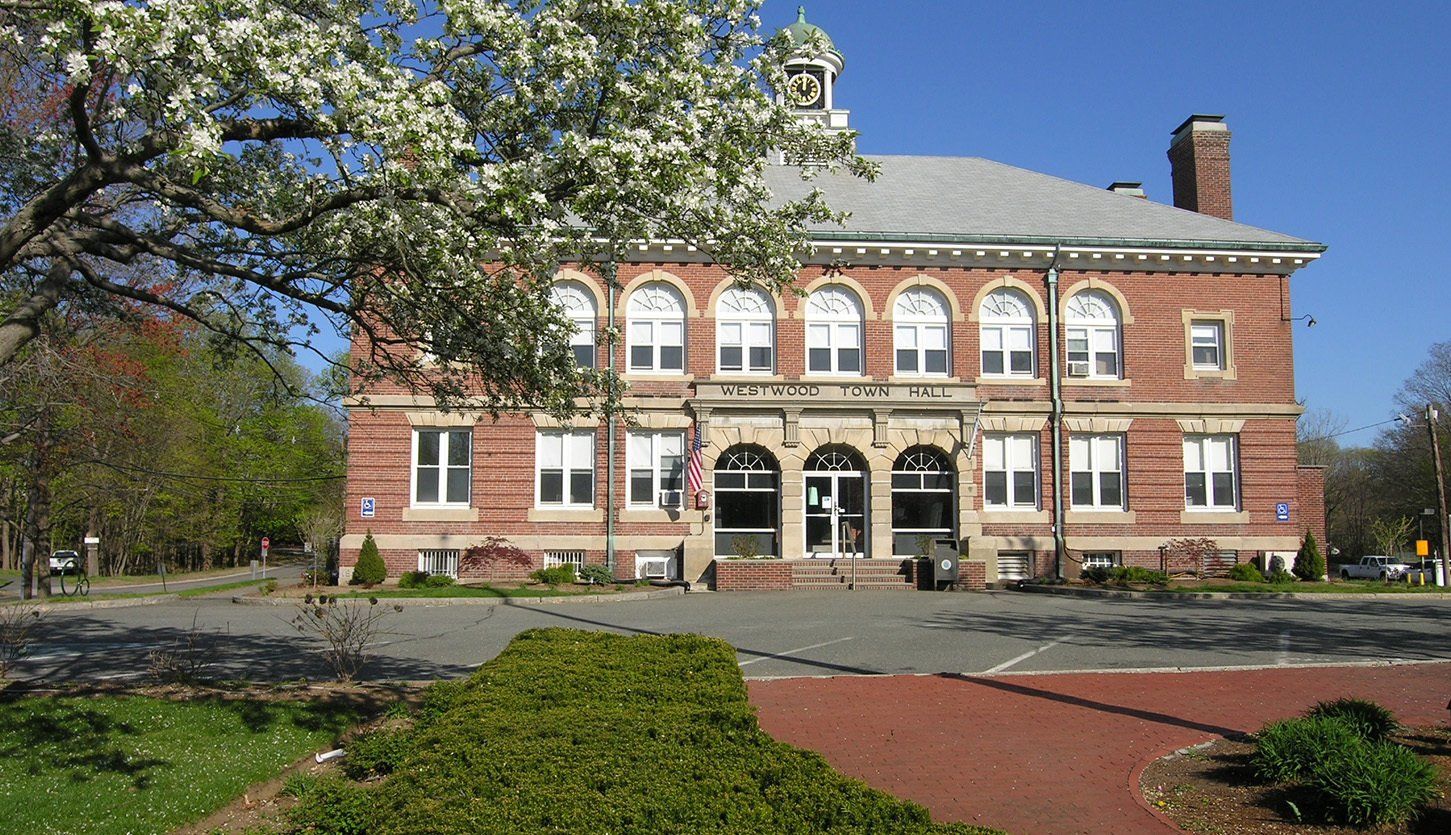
(785, 634)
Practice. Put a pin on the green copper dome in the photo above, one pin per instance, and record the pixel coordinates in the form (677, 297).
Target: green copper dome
(801, 30)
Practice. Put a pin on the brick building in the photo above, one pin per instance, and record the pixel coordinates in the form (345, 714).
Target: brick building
(1049, 374)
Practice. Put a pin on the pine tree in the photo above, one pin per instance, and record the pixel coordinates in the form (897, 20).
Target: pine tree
(1309, 565)
(370, 568)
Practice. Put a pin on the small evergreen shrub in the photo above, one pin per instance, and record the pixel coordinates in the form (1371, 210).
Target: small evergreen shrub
(1366, 719)
(1374, 783)
(370, 569)
(1246, 572)
(595, 573)
(559, 575)
(1097, 574)
(331, 806)
(413, 579)
(376, 754)
(1127, 574)
(438, 581)
(1309, 564)
(1291, 750)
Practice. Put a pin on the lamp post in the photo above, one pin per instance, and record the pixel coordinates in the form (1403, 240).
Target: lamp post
(1441, 520)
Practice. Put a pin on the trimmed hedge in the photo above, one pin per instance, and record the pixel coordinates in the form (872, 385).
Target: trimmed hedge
(570, 731)
(370, 569)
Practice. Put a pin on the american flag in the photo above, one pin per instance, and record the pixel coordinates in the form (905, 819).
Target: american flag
(693, 475)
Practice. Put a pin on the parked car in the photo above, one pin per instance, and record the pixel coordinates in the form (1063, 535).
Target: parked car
(1422, 572)
(1374, 567)
(66, 562)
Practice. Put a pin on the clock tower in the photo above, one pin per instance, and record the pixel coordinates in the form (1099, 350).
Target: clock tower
(811, 77)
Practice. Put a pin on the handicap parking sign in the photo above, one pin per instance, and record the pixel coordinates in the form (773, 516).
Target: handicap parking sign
(368, 508)
(1282, 512)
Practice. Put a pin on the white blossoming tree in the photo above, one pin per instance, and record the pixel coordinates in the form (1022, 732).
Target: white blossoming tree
(409, 172)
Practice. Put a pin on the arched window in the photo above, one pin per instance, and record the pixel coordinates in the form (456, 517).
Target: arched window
(579, 305)
(1008, 335)
(745, 332)
(920, 332)
(834, 332)
(656, 329)
(924, 500)
(1092, 324)
(748, 502)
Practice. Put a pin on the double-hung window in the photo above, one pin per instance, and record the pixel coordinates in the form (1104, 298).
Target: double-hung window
(920, 329)
(656, 330)
(1091, 322)
(745, 332)
(565, 469)
(578, 304)
(1010, 472)
(442, 466)
(1210, 472)
(1206, 344)
(834, 332)
(656, 461)
(1007, 334)
(1097, 472)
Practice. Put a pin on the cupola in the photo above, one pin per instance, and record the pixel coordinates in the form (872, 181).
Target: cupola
(811, 76)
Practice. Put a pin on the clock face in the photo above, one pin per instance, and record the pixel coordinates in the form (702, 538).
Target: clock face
(803, 89)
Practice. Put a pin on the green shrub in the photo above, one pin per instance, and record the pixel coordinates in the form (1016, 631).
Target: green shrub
(1097, 574)
(332, 806)
(1309, 565)
(1290, 750)
(595, 573)
(1280, 578)
(1126, 574)
(1366, 719)
(376, 754)
(559, 575)
(438, 581)
(1374, 784)
(412, 579)
(370, 569)
(1246, 572)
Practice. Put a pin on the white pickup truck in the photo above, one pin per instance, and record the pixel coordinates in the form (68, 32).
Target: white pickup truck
(1374, 568)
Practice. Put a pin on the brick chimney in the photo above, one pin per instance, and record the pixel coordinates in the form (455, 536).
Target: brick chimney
(1199, 160)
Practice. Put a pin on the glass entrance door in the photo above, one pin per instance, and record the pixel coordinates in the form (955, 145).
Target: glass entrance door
(836, 514)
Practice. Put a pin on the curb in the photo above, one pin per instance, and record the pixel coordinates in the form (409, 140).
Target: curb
(123, 603)
(1068, 591)
(592, 599)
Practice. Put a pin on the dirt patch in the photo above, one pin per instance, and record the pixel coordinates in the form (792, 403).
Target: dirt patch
(1212, 789)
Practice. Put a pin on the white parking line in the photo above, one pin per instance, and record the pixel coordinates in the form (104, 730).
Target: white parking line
(792, 651)
(1284, 648)
(1024, 657)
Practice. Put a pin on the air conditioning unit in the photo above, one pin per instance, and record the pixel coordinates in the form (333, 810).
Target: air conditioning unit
(655, 565)
(670, 498)
(1078, 369)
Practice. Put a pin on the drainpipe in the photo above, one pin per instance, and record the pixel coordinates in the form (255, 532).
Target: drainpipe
(1055, 415)
(610, 277)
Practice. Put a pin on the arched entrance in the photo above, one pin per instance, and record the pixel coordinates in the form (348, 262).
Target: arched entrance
(748, 502)
(836, 503)
(924, 500)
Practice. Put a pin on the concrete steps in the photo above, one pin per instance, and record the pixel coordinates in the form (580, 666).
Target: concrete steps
(828, 575)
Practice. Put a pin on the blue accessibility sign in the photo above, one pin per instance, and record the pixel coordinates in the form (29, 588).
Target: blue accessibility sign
(1282, 512)
(369, 508)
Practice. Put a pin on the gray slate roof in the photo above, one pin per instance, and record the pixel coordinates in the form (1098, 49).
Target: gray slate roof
(970, 199)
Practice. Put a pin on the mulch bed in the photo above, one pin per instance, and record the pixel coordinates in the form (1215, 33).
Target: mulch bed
(1212, 789)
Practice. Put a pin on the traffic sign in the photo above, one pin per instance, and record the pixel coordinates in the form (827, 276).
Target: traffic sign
(369, 508)
(266, 543)
(1282, 512)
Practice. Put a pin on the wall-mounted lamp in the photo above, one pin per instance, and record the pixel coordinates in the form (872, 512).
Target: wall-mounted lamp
(1307, 319)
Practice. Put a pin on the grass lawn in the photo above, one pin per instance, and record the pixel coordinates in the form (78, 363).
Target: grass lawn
(119, 764)
(484, 591)
(1338, 587)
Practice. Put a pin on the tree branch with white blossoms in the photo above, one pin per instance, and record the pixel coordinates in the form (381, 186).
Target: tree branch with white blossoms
(409, 173)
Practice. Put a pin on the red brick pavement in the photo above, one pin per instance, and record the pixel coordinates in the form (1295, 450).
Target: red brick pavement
(1056, 753)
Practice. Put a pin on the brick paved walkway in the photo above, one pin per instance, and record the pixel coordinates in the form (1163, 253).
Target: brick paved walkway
(1056, 753)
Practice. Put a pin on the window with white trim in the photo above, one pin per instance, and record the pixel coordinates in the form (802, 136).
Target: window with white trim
(442, 466)
(920, 327)
(1008, 334)
(1210, 472)
(564, 465)
(834, 332)
(1091, 321)
(655, 325)
(439, 561)
(1096, 466)
(1010, 471)
(656, 461)
(1100, 559)
(1206, 344)
(579, 305)
(745, 332)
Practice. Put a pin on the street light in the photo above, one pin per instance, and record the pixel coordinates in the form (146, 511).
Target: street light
(1443, 522)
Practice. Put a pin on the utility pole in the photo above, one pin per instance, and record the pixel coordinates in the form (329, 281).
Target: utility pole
(1442, 521)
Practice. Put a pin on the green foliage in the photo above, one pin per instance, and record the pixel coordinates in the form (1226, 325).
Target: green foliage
(520, 747)
(1365, 718)
(1374, 784)
(376, 754)
(1246, 572)
(424, 580)
(1309, 565)
(559, 575)
(332, 806)
(596, 573)
(370, 569)
(1280, 578)
(1097, 574)
(1289, 750)
(1125, 575)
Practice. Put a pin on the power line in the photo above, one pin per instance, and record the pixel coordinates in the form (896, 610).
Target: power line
(1396, 419)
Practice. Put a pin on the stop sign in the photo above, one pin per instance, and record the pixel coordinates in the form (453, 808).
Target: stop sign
(266, 543)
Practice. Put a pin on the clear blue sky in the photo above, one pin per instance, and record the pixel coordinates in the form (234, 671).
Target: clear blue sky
(1339, 112)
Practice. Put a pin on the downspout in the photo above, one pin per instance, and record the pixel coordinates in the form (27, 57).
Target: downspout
(1055, 414)
(610, 277)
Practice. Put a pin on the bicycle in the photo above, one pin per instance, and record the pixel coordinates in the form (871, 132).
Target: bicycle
(80, 585)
